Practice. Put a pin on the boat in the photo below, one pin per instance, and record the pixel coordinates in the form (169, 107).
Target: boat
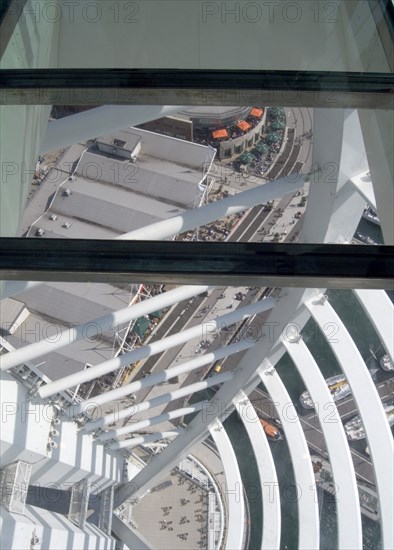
(386, 363)
(337, 386)
(355, 430)
(271, 431)
(370, 215)
(369, 503)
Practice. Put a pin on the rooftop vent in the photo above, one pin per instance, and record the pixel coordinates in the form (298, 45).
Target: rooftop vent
(66, 225)
(53, 217)
(40, 232)
(67, 192)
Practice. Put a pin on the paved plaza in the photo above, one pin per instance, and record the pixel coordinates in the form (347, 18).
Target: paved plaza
(174, 514)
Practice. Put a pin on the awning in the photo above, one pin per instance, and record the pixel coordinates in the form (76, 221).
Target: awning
(243, 125)
(258, 113)
(222, 133)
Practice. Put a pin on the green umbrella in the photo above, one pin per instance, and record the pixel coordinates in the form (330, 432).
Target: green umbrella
(261, 148)
(246, 158)
(278, 125)
(273, 138)
(141, 325)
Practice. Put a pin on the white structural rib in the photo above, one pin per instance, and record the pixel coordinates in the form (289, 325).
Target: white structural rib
(308, 511)
(113, 434)
(141, 440)
(233, 488)
(90, 407)
(216, 210)
(153, 348)
(348, 505)
(11, 288)
(101, 120)
(129, 536)
(190, 219)
(363, 183)
(380, 311)
(271, 520)
(101, 324)
(372, 414)
(154, 379)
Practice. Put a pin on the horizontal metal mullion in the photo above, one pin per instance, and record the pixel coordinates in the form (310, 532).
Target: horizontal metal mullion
(196, 87)
(266, 264)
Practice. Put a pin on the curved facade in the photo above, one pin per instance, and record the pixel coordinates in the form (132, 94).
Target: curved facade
(207, 120)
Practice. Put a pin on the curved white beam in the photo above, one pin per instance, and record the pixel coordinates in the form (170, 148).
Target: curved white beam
(233, 487)
(101, 324)
(271, 520)
(372, 414)
(135, 441)
(348, 504)
(171, 415)
(153, 348)
(308, 510)
(216, 210)
(380, 311)
(98, 121)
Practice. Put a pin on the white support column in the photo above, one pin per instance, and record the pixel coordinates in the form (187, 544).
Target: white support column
(135, 441)
(233, 487)
(114, 434)
(347, 500)
(334, 205)
(11, 288)
(377, 128)
(271, 520)
(202, 330)
(99, 121)
(129, 536)
(380, 311)
(107, 322)
(308, 509)
(149, 381)
(160, 400)
(363, 183)
(216, 210)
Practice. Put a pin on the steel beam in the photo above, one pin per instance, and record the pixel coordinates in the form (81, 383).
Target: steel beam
(223, 263)
(197, 87)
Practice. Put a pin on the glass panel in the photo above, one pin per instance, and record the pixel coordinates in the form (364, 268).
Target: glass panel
(138, 364)
(349, 35)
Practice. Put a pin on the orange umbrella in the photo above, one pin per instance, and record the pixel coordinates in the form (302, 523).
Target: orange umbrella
(258, 113)
(222, 133)
(243, 125)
